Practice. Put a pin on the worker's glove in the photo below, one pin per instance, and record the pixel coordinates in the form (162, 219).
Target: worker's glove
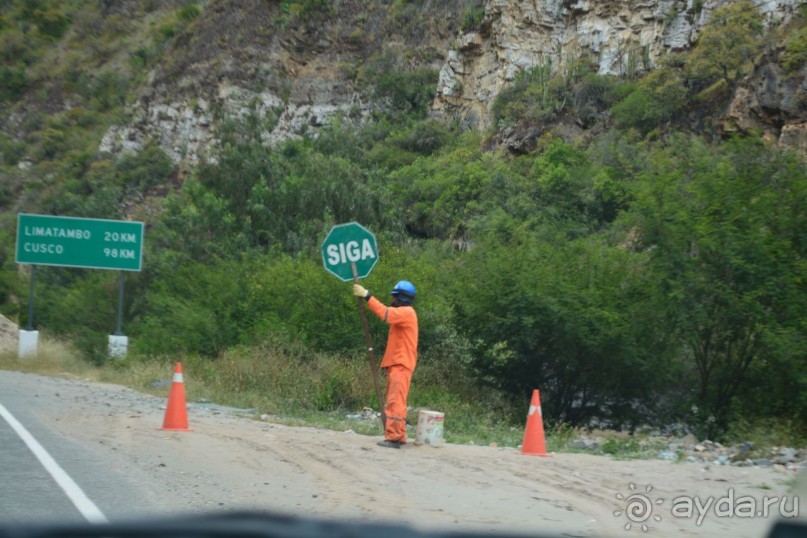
(360, 291)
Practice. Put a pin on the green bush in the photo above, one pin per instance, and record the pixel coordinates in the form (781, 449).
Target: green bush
(302, 9)
(85, 310)
(571, 319)
(108, 90)
(473, 15)
(206, 308)
(11, 278)
(657, 98)
(405, 16)
(13, 82)
(409, 92)
(536, 95)
(795, 53)
(11, 150)
(190, 308)
(144, 170)
(51, 21)
(189, 12)
(723, 239)
(439, 196)
(15, 47)
(52, 143)
(424, 137)
(591, 98)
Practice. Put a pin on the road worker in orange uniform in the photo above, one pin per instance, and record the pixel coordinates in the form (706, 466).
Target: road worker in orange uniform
(400, 355)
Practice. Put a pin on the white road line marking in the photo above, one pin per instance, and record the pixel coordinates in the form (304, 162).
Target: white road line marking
(87, 508)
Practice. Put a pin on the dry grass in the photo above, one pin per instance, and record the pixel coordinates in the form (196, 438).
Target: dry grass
(54, 358)
(286, 382)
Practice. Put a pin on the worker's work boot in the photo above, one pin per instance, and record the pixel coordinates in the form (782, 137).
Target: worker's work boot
(390, 444)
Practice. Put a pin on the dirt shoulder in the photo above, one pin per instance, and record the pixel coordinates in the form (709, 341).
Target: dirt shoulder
(232, 462)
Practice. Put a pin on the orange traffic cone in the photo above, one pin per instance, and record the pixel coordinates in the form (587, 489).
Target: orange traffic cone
(534, 443)
(176, 413)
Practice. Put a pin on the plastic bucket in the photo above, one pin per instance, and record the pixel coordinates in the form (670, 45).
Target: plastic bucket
(430, 428)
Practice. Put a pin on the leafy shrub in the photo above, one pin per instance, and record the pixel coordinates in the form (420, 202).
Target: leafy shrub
(51, 21)
(108, 90)
(190, 307)
(562, 175)
(439, 196)
(473, 15)
(302, 9)
(189, 12)
(423, 137)
(567, 318)
(12, 151)
(591, 98)
(85, 310)
(725, 242)
(409, 92)
(13, 82)
(141, 171)
(795, 53)
(405, 17)
(16, 48)
(655, 99)
(535, 95)
(52, 142)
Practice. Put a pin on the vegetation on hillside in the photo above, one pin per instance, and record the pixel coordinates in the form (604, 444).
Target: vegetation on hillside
(654, 275)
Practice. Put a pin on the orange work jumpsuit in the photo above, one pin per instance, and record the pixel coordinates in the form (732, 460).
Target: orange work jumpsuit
(400, 358)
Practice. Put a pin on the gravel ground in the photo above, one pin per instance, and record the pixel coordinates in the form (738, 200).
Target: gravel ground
(235, 462)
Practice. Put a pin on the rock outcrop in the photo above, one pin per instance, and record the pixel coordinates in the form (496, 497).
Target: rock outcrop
(620, 36)
(240, 62)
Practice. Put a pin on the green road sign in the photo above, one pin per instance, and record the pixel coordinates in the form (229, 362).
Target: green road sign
(347, 244)
(75, 242)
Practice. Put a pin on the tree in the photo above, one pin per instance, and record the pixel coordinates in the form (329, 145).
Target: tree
(575, 320)
(727, 44)
(725, 233)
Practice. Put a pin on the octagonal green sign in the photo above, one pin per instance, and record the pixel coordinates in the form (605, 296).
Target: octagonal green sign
(347, 244)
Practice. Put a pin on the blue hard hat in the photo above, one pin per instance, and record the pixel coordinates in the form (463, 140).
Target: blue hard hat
(404, 287)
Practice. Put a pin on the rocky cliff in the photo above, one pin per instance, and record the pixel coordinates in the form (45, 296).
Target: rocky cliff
(245, 58)
(240, 60)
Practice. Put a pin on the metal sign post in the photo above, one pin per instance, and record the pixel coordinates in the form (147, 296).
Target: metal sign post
(373, 361)
(79, 242)
(350, 252)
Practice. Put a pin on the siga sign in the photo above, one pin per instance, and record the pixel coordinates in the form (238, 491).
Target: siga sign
(79, 242)
(348, 244)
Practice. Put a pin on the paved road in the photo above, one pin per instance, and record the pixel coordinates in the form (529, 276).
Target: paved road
(46, 477)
